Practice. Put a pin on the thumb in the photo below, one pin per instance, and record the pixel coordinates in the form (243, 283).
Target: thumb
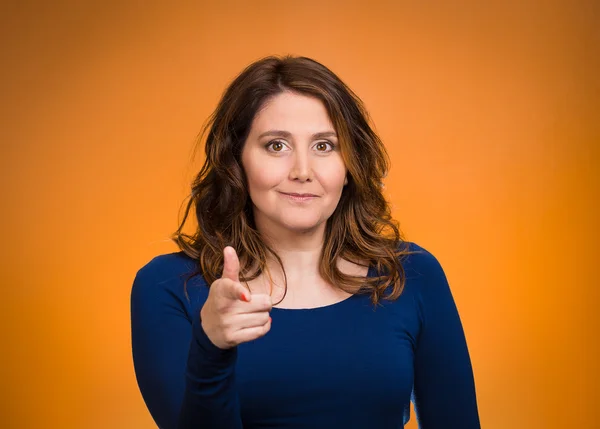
(231, 264)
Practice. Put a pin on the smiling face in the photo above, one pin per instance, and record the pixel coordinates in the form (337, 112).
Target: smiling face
(292, 148)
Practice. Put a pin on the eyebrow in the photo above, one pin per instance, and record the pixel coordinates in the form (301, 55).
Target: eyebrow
(287, 134)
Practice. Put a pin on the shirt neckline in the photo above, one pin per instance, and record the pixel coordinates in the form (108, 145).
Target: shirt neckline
(370, 273)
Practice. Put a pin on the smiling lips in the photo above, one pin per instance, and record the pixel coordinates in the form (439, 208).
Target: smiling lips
(293, 194)
(299, 197)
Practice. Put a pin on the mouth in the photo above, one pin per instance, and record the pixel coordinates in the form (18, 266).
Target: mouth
(299, 197)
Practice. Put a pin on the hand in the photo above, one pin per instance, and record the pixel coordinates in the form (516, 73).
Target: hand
(232, 315)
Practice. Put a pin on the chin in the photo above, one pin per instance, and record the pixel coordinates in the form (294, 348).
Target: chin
(300, 225)
(300, 222)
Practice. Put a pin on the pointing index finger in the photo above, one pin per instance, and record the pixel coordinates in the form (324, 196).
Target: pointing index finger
(231, 264)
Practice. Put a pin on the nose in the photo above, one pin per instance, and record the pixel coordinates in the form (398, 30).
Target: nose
(301, 169)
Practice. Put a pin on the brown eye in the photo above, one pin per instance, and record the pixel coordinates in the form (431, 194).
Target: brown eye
(323, 145)
(275, 145)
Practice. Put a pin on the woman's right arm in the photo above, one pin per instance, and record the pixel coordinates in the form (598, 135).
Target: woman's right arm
(210, 399)
(185, 380)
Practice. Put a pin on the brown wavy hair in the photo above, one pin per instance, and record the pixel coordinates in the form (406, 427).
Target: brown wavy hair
(361, 227)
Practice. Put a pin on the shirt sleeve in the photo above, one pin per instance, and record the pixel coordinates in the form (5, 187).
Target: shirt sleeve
(210, 399)
(185, 380)
(444, 388)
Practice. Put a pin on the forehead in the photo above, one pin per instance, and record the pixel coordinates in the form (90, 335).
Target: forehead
(293, 112)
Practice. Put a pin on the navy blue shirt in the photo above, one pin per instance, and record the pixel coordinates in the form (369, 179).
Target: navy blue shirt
(345, 365)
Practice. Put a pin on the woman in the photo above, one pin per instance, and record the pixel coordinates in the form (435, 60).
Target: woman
(297, 304)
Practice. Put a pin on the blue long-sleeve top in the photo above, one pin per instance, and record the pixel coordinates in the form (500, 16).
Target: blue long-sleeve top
(345, 365)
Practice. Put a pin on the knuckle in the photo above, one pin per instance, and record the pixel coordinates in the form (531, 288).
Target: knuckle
(223, 283)
(228, 337)
(221, 305)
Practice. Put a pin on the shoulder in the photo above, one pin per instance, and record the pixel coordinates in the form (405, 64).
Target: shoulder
(165, 267)
(420, 261)
(424, 273)
(163, 277)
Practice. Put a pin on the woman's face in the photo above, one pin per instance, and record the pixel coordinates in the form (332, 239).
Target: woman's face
(292, 148)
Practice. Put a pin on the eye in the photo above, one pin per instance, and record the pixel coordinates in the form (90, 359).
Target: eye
(277, 145)
(324, 144)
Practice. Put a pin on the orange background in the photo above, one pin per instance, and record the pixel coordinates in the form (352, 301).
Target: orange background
(490, 115)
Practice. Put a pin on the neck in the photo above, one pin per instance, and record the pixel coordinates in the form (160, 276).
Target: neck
(300, 251)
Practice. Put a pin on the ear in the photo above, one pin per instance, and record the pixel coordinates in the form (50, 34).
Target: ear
(345, 180)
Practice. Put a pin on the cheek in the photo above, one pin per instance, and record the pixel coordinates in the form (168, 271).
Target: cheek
(332, 175)
(263, 175)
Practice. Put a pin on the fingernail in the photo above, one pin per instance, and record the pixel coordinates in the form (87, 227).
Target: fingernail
(244, 298)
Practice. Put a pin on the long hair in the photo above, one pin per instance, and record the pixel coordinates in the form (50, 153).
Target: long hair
(361, 227)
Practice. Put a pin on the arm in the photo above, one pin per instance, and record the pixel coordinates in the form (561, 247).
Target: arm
(184, 379)
(210, 399)
(444, 390)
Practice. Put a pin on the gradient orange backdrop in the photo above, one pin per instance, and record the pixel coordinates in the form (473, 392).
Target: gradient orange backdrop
(490, 115)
